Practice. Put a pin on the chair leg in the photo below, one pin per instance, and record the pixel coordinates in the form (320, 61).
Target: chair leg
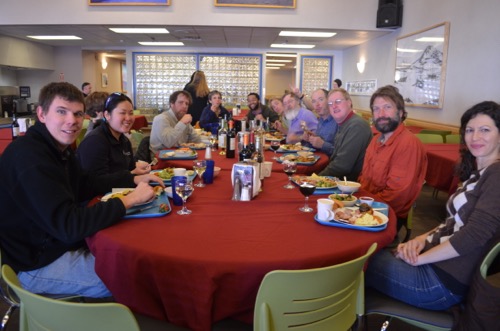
(7, 316)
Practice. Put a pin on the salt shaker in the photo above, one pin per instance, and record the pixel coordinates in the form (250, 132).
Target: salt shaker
(208, 153)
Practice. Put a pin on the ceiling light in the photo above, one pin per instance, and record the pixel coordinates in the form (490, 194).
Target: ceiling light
(431, 39)
(292, 46)
(275, 64)
(281, 55)
(274, 68)
(139, 30)
(408, 50)
(307, 34)
(161, 43)
(282, 61)
(55, 37)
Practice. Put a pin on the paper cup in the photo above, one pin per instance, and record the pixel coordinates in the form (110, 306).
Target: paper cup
(268, 167)
(367, 200)
(179, 171)
(325, 209)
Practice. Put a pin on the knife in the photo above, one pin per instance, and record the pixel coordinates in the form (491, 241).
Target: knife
(136, 211)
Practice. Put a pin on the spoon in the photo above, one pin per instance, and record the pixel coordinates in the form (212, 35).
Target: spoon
(345, 180)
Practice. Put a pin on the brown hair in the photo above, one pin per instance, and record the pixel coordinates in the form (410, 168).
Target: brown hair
(175, 95)
(392, 93)
(64, 90)
(200, 84)
(94, 103)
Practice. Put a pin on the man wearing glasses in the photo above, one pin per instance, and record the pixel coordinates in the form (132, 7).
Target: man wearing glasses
(352, 138)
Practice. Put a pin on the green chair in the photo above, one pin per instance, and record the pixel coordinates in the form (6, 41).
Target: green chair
(442, 133)
(328, 298)
(9, 298)
(428, 138)
(45, 314)
(453, 139)
(83, 132)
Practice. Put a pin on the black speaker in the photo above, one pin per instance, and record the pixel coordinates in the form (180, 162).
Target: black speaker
(390, 14)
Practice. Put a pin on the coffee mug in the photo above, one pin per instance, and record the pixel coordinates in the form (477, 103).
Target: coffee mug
(325, 209)
(180, 171)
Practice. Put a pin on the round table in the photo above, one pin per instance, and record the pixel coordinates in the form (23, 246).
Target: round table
(201, 268)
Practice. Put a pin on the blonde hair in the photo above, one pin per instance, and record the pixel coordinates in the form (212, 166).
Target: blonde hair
(200, 84)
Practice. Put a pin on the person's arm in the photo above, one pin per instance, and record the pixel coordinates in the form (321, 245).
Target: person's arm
(206, 117)
(326, 147)
(165, 134)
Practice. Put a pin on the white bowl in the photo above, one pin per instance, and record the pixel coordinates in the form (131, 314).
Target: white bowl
(341, 197)
(348, 187)
(367, 200)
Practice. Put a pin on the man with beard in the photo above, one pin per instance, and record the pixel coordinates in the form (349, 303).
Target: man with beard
(395, 161)
(298, 118)
(173, 127)
(258, 111)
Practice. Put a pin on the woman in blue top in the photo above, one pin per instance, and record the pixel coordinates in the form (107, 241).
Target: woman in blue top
(213, 111)
(106, 149)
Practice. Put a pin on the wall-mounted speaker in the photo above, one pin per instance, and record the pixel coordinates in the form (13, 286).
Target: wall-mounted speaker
(390, 14)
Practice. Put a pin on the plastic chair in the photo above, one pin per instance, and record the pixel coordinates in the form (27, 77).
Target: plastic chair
(428, 138)
(453, 139)
(45, 314)
(442, 133)
(326, 298)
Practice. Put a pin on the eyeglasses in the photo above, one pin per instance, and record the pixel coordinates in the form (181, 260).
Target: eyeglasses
(336, 102)
(110, 98)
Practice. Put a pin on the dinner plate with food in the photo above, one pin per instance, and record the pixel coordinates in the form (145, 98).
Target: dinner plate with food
(300, 160)
(290, 148)
(201, 145)
(159, 207)
(273, 136)
(183, 153)
(321, 182)
(363, 216)
(121, 192)
(167, 173)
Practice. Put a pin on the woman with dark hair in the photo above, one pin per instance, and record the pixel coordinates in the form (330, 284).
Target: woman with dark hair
(106, 149)
(199, 90)
(213, 111)
(434, 270)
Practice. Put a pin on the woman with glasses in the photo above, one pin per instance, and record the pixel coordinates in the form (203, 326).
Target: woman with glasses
(106, 149)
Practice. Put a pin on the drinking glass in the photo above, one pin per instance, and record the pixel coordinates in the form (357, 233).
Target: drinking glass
(199, 166)
(289, 167)
(212, 141)
(184, 190)
(275, 145)
(306, 188)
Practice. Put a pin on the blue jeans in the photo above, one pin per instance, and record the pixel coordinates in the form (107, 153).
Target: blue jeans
(73, 273)
(418, 286)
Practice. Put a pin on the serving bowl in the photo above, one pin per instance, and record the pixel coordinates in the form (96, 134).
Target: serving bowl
(347, 200)
(348, 187)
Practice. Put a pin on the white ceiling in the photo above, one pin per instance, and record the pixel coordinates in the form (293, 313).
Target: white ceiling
(100, 38)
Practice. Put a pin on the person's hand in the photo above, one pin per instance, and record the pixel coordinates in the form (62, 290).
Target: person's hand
(142, 193)
(186, 119)
(316, 141)
(141, 167)
(410, 250)
(214, 108)
(296, 91)
(146, 178)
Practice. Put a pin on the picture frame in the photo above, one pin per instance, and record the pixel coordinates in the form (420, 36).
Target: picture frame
(256, 3)
(420, 71)
(129, 2)
(361, 87)
(104, 79)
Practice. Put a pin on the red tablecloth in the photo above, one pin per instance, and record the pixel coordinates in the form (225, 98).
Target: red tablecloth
(140, 122)
(227, 164)
(198, 269)
(442, 159)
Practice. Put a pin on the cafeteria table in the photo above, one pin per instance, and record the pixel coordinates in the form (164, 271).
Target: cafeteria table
(441, 162)
(196, 270)
(227, 164)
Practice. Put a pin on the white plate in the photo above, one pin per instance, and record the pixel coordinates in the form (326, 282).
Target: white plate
(115, 192)
(383, 217)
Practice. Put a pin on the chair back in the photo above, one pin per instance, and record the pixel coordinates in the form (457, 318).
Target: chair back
(429, 138)
(46, 314)
(453, 139)
(313, 299)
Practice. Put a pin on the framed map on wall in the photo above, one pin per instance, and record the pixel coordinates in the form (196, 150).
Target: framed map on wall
(129, 2)
(421, 66)
(256, 3)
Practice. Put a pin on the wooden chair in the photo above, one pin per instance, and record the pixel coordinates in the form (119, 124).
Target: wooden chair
(326, 298)
(45, 314)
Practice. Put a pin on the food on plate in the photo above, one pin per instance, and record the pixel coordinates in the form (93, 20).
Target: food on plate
(365, 208)
(184, 150)
(163, 208)
(358, 217)
(297, 158)
(343, 197)
(165, 174)
(119, 194)
(296, 147)
(158, 190)
(273, 136)
(194, 145)
(319, 181)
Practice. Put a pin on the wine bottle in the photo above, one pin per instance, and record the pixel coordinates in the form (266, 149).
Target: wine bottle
(245, 153)
(231, 141)
(222, 138)
(258, 156)
(251, 142)
(15, 126)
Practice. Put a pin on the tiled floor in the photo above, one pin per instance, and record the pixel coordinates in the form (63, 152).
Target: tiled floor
(429, 212)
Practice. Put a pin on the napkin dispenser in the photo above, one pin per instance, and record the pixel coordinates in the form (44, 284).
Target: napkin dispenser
(245, 180)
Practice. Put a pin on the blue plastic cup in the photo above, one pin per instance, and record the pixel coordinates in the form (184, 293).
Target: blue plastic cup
(208, 175)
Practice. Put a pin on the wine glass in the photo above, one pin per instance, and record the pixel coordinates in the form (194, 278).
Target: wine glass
(275, 145)
(212, 141)
(184, 190)
(200, 166)
(306, 188)
(289, 167)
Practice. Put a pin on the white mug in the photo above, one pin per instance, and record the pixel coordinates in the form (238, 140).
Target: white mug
(180, 171)
(325, 209)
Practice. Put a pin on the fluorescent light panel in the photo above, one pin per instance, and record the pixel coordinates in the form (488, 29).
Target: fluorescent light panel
(272, 68)
(139, 30)
(55, 37)
(307, 34)
(431, 39)
(161, 43)
(281, 55)
(408, 50)
(282, 61)
(275, 64)
(292, 46)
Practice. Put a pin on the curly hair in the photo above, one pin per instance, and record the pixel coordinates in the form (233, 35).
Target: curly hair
(392, 93)
(94, 103)
(467, 164)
